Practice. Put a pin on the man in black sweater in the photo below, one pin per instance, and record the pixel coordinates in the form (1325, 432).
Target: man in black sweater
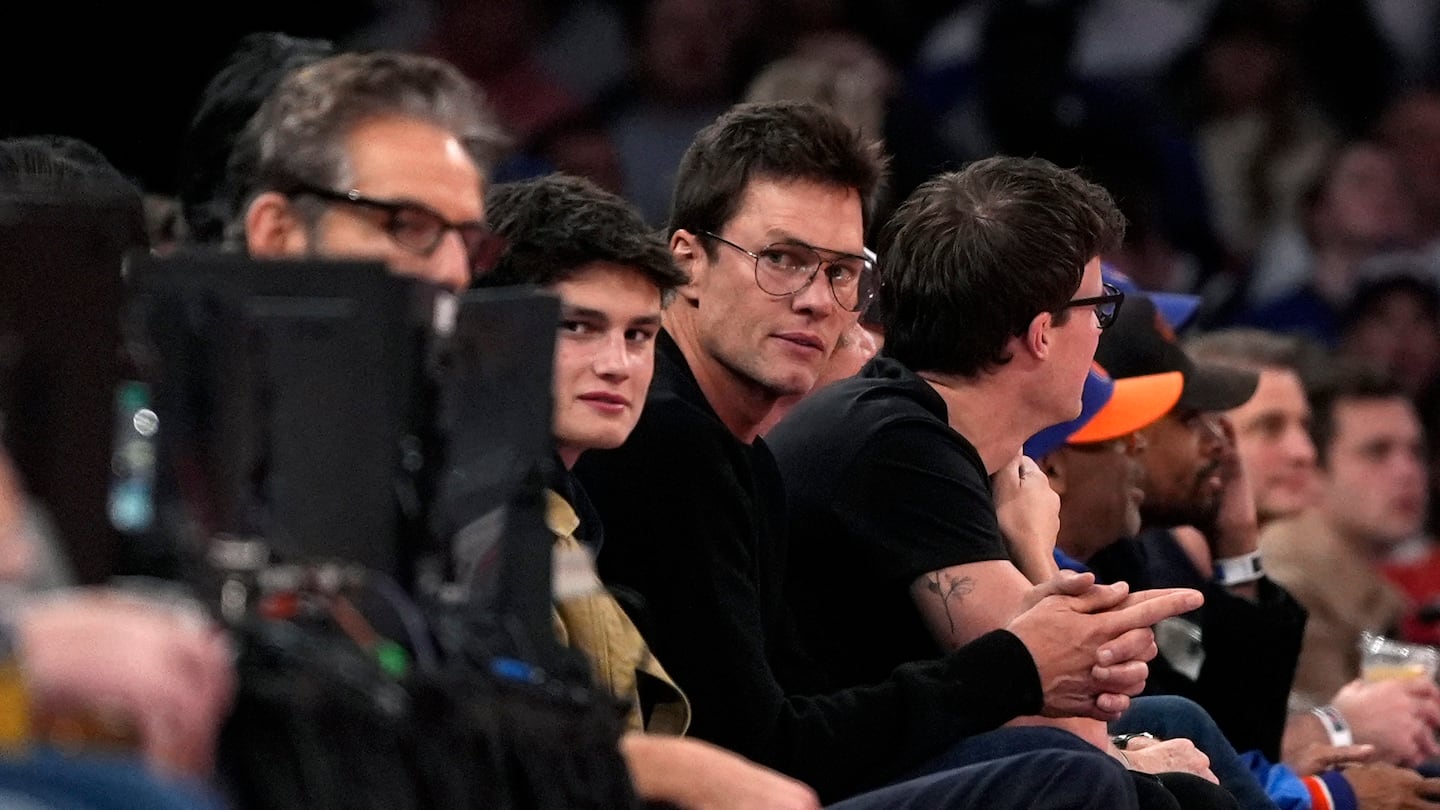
(694, 511)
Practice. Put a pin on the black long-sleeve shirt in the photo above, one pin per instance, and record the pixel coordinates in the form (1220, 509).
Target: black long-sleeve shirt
(695, 525)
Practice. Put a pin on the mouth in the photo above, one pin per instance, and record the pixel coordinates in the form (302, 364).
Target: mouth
(804, 340)
(605, 401)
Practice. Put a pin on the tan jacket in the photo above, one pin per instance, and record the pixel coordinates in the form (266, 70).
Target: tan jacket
(1344, 593)
(588, 618)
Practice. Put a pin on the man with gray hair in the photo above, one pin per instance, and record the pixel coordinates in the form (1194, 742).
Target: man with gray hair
(380, 155)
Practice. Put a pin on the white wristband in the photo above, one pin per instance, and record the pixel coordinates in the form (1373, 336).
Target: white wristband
(1335, 726)
(1239, 570)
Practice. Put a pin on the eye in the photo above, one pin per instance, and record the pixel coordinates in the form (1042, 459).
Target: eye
(788, 258)
(639, 335)
(574, 327)
(414, 226)
(844, 272)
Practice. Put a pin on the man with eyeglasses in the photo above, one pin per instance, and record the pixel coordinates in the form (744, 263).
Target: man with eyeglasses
(768, 219)
(381, 156)
(919, 524)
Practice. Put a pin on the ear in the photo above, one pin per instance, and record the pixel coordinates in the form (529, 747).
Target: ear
(1037, 337)
(690, 255)
(1056, 466)
(272, 229)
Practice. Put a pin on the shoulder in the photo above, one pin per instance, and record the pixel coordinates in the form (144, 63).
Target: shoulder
(854, 410)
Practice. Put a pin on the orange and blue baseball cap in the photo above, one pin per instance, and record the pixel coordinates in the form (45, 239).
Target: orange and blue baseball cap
(1111, 408)
(1141, 342)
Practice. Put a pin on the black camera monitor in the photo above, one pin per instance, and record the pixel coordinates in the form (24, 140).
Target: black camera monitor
(60, 292)
(288, 401)
(495, 423)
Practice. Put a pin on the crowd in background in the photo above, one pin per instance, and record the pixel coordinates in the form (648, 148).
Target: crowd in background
(1278, 161)
(1279, 158)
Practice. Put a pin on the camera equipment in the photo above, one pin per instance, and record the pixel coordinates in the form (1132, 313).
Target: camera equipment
(357, 485)
(59, 293)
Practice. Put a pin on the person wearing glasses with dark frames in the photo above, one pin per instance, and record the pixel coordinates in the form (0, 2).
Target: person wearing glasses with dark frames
(380, 155)
(694, 509)
(919, 524)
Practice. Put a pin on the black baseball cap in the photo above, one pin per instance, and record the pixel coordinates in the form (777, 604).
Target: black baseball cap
(1141, 342)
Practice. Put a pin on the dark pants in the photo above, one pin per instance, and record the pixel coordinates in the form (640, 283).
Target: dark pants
(1168, 716)
(1162, 716)
(1043, 780)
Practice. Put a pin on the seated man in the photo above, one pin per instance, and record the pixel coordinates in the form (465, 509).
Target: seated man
(992, 294)
(1093, 464)
(613, 277)
(375, 156)
(1195, 485)
(1372, 496)
(767, 197)
(1237, 656)
(1272, 438)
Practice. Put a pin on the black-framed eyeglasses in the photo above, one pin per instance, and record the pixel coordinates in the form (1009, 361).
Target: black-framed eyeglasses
(420, 229)
(1107, 306)
(786, 268)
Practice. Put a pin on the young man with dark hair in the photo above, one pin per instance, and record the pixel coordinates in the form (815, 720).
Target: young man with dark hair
(1372, 496)
(969, 325)
(992, 310)
(1273, 441)
(613, 276)
(769, 222)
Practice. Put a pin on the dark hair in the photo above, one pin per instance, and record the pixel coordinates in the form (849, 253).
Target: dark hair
(1371, 293)
(773, 140)
(212, 182)
(971, 257)
(1344, 381)
(558, 223)
(66, 171)
(1257, 349)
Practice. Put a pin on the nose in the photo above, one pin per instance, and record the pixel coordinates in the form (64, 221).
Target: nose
(1413, 468)
(612, 357)
(449, 264)
(816, 297)
(1212, 436)
(1299, 448)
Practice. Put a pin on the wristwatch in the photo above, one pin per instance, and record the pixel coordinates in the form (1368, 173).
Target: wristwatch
(1122, 740)
(1239, 570)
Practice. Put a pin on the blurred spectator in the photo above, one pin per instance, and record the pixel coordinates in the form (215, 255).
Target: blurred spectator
(1259, 138)
(1010, 85)
(844, 72)
(164, 223)
(1393, 324)
(579, 145)
(1372, 499)
(1305, 273)
(96, 666)
(684, 72)
(1272, 427)
(494, 42)
(1411, 128)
